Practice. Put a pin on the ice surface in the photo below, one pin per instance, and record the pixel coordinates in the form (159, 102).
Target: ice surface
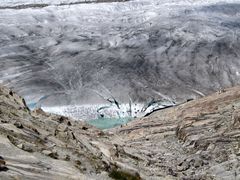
(11, 3)
(136, 51)
(95, 111)
(105, 116)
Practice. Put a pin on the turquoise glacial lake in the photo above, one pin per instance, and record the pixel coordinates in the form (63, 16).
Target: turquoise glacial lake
(107, 123)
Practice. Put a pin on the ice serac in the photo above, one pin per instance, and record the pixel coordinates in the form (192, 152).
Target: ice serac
(138, 50)
(196, 140)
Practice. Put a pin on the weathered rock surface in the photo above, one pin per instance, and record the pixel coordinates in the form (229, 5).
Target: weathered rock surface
(36, 145)
(196, 140)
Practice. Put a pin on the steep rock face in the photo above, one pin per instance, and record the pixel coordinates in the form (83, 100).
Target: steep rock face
(196, 140)
(36, 145)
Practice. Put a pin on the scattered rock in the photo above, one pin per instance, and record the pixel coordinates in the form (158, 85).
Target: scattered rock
(46, 152)
(18, 125)
(67, 158)
(28, 147)
(85, 128)
(53, 155)
(61, 119)
(20, 146)
(117, 174)
(11, 92)
(183, 166)
(3, 166)
(69, 123)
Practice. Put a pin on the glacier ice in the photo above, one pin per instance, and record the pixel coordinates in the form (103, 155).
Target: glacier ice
(140, 50)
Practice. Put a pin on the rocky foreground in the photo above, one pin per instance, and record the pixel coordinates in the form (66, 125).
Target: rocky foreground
(196, 140)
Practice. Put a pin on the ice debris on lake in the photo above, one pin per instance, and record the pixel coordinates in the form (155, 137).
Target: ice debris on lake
(96, 111)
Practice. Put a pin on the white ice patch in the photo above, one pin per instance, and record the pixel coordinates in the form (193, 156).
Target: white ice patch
(94, 111)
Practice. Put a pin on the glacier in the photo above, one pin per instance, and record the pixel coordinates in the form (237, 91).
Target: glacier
(75, 55)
